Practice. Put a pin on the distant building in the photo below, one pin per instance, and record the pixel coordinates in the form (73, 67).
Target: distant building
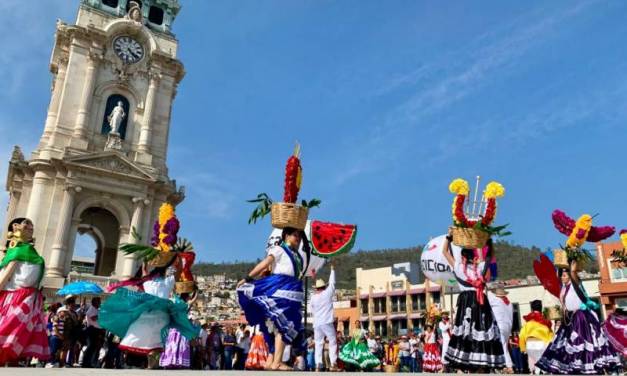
(391, 301)
(613, 283)
(81, 264)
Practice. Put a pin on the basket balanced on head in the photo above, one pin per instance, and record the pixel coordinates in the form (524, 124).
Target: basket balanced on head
(287, 213)
(474, 232)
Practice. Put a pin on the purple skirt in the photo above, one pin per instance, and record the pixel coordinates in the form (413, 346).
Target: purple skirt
(177, 352)
(579, 347)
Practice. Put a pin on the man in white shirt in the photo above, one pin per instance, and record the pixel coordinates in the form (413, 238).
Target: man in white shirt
(322, 308)
(445, 330)
(94, 334)
(504, 316)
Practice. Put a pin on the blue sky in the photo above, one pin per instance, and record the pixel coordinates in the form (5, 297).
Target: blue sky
(390, 100)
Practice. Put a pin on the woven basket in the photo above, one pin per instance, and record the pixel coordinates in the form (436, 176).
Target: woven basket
(469, 237)
(560, 258)
(184, 287)
(289, 215)
(554, 313)
(163, 259)
(391, 368)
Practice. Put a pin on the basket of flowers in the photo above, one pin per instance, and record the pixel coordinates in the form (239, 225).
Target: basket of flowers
(579, 232)
(472, 226)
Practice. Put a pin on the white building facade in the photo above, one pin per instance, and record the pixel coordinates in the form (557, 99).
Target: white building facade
(85, 177)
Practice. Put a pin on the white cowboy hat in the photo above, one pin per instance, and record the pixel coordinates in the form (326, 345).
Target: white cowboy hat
(500, 292)
(320, 284)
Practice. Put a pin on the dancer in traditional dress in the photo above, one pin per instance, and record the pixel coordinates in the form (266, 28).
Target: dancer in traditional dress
(535, 335)
(274, 302)
(579, 346)
(258, 353)
(445, 331)
(431, 361)
(177, 352)
(144, 319)
(322, 307)
(615, 328)
(475, 341)
(356, 352)
(22, 322)
(504, 315)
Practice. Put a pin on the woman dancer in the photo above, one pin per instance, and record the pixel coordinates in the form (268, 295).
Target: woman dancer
(579, 346)
(431, 359)
(356, 352)
(177, 354)
(475, 339)
(615, 328)
(22, 322)
(143, 319)
(274, 302)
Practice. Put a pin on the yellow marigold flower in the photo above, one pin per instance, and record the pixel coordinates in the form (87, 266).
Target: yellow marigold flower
(166, 211)
(579, 235)
(494, 190)
(459, 187)
(623, 239)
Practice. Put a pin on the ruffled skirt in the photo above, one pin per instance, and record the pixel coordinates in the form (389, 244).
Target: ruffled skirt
(357, 354)
(22, 326)
(615, 328)
(276, 300)
(431, 361)
(257, 354)
(579, 347)
(177, 352)
(475, 339)
(143, 321)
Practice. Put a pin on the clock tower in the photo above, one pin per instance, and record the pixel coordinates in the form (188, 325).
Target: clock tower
(100, 166)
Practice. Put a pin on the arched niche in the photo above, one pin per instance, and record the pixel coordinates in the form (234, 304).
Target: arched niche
(112, 101)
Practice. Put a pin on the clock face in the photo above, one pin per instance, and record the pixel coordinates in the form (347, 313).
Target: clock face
(128, 49)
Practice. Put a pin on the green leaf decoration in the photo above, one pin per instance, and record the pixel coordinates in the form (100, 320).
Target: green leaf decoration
(263, 208)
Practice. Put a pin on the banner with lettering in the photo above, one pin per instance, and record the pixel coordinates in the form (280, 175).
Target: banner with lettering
(433, 264)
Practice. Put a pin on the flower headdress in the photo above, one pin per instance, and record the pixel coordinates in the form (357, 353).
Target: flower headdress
(579, 232)
(292, 185)
(164, 244)
(480, 219)
(620, 255)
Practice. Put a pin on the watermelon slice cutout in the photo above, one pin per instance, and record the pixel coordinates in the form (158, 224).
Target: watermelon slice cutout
(332, 239)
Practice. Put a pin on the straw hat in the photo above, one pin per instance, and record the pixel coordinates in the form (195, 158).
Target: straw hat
(162, 259)
(320, 284)
(500, 292)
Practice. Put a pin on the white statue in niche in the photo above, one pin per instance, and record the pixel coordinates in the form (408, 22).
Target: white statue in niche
(115, 118)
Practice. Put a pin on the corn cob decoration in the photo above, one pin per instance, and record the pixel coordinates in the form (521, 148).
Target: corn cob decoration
(293, 177)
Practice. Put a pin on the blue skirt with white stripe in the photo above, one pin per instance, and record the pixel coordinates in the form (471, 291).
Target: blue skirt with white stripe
(276, 299)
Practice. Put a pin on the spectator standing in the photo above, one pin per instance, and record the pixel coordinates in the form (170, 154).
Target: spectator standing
(215, 347)
(404, 353)
(517, 357)
(93, 334)
(244, 347)
(229, 343)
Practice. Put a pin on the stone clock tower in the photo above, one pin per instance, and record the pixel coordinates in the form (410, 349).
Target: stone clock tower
(100, 166)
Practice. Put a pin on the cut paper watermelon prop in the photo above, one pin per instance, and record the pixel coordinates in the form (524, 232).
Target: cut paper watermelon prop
(332, 239)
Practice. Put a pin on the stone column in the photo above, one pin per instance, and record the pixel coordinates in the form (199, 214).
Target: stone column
(58, 253)
(41, 181)
(57, 88)
(80, 129)
(145, 133)
(129, 266)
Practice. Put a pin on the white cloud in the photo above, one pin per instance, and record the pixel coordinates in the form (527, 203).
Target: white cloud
(441, 84)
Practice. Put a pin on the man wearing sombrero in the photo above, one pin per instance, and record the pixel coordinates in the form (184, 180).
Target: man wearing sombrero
(322, 308)
(504, 316)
